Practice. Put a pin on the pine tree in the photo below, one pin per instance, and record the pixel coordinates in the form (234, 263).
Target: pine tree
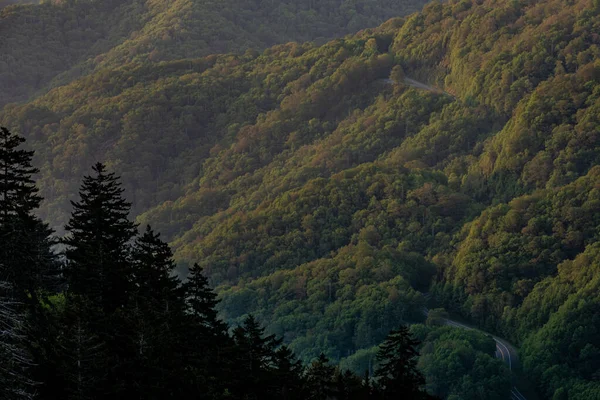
(202, 301)
(350, 387)
(28, 267)
(99, 272)
(209, 352)
(320, 379)
(397, 374)
(288, 375)
(98, 248)
(156, 314)
(153, 279)
(18, 193)
(255, 360)
(26, 260)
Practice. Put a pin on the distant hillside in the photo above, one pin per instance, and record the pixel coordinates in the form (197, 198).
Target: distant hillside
(58, 41)
(323, 194)
(6, 3)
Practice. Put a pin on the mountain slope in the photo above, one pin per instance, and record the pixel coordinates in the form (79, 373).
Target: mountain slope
(322, 194)
(55, 42)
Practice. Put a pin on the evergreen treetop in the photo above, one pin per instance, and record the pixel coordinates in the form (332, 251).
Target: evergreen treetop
(18, 192)
(397, 374)
(99, 244)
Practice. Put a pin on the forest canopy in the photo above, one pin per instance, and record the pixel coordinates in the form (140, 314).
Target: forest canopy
(323, 193)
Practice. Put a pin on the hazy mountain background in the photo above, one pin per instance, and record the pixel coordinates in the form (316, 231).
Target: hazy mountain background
(55, 42)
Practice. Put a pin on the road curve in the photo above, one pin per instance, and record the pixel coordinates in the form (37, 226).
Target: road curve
(504, 351)
(418, 85)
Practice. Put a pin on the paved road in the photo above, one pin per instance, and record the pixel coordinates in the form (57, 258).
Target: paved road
(503, 350)
(419, 85)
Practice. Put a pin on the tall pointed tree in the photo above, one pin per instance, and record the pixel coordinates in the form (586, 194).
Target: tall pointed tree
(320, 379)
(156, 314)
(210, 350)
(26, 260)
(18, 193)
(28, 266)
(153, 278)
(397, 374)
(255, 360)
(98, 248)
(288, 373)
(99, 274)
(202, 301)
(82, 357)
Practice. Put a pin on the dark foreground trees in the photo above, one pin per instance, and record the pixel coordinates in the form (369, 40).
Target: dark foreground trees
(28, 269)
(397, 373)
(114, 321)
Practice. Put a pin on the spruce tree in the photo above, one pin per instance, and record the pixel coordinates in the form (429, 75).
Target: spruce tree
(288, 377)
(27, 262)
(320, 379)
(350, 386)
(29, 269)
(82, 356)
(99, 273)
(255, 360)
(98, 248)
(397, 374)
(18, 193)
(202, 301)
(209, 350)
(156, 314)
(153, 279)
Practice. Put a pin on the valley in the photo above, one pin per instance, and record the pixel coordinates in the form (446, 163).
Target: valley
(326, 164)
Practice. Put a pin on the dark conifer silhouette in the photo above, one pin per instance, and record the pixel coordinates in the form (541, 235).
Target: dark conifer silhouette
(155, 315)
(26, 260)
(320, 379)
(397, 374)
(99, 274)
(124, 326)
(255, 360)
(28, 269)
(287, 375)
(209, 351)
(98, 247)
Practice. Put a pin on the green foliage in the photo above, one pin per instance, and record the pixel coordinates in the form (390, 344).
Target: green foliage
(55, 42)
(125, 326)
(396, 372)
(321, 198)
(563, 354)
(459, 363)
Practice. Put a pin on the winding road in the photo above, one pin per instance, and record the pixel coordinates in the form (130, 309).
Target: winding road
(504, 351)
(419, 85)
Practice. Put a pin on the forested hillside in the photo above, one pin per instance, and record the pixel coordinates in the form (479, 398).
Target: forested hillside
(108, 319)
(57, 41)
(321, 192)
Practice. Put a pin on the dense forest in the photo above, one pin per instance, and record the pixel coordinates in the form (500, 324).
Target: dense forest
(109, 320)
(49, 44)
(322, 193)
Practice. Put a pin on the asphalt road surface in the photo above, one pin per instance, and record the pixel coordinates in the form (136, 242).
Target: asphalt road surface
(419, 85)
